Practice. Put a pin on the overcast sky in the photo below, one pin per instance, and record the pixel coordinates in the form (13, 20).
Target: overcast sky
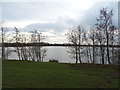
(53, 17)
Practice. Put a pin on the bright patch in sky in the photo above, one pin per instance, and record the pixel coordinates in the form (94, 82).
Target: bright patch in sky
(52, 17)
(81, 4)
(43, 12)
(20, 24)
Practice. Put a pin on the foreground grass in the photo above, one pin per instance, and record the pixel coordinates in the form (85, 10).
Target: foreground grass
(28, 74)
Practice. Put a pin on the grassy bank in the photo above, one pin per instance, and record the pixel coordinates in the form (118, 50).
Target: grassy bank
(28, 74)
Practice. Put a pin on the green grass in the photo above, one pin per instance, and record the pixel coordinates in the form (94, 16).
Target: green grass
(28, 74)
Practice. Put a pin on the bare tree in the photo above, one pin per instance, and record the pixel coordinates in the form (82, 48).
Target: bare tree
(92, 38)
(81, 37)
(113, 36)
(24, 50)
(36, 51)
(17, 40)
(104, 22)
(100, 37)
(43, 53)
(32, 49)
(87, 50)
(6, 51)
(75, 36)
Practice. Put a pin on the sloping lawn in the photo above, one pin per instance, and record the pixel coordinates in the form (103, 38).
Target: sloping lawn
(28, 74)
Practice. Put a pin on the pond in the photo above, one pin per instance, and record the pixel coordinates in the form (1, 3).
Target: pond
(55, 52)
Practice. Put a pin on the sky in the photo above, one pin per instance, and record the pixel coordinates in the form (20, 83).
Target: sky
(53, 17)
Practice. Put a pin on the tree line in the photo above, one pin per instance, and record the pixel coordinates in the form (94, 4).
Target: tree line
(24, 53)
(102, 33)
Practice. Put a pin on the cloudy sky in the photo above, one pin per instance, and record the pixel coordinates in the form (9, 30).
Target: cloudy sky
(53, 17)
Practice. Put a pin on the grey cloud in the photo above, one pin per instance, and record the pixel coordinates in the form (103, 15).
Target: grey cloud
(14, 11)
(0, 12)
(27, 11)
(89, 18)
(60, 25)
(45, 26)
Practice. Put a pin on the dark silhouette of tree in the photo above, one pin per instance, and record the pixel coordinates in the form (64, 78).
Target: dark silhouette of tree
(104, 22)
(80, 39)
(17, 40)
(36, 51)
(75, 36)
(24, 50)
(6, 51)
(113, 36)
(92, 38)
(43, 53)
(3, 48)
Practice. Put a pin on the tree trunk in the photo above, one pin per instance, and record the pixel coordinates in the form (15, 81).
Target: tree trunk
(79, 45)
(90, 54)
(108, 47)
(93, 49)
(3, 52)
(80, 55)
(18, 52)
(3, 48)
(76, 54)
(102, 54)
(93, 54)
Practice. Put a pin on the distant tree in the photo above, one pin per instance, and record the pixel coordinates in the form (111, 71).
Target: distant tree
(104, 23)
(32, 48)
(87, 50)
(81, 37)
(3, 48)
(17, 41)
(5, 37)
(24, 50)
(37, 51)
(43, 53)
(75, 36)
(92, 38)
(101, 39)
(113, 39)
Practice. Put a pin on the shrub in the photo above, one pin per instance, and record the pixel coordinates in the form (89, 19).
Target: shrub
(53, 60)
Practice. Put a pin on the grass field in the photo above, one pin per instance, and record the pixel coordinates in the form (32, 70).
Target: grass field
(28, 74)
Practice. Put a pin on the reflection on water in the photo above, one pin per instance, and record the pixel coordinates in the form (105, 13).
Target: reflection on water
(58, 53)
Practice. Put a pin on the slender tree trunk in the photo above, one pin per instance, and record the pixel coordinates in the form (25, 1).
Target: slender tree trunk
(3, 52)
(90, 54)
(39, 47)
(108, 57)
(79, 29)
(17, 40)
(79, 49)
(40, 53)
(93, 54)
(30, 55)
(76, 54)
(37, 52)
(102, 54)
(18, 52)
(87, 53)
(3, 48)
(93, 49)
